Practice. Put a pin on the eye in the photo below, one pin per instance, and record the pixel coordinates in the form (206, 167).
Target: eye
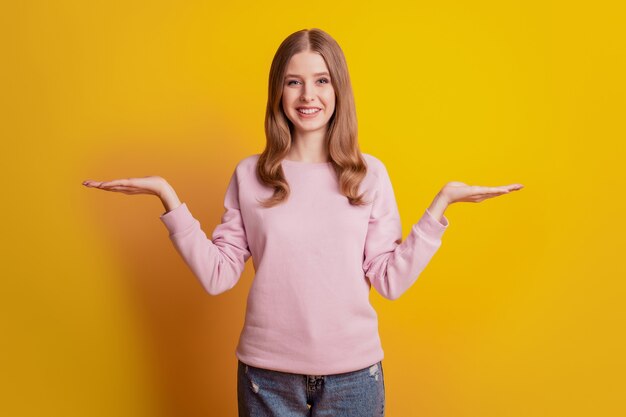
(292, 81)
(324, 79)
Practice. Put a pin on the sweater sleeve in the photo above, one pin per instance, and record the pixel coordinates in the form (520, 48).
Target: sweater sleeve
(217, 263)
(390, 264)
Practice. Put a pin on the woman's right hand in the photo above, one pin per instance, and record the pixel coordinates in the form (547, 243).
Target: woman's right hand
(153, 185)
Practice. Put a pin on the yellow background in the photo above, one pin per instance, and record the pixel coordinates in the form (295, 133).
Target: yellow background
(520, 313)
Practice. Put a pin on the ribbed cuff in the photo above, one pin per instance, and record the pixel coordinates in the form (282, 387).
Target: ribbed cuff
(431, 227)
(178, 219)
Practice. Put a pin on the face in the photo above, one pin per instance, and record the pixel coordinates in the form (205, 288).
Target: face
(307, 85)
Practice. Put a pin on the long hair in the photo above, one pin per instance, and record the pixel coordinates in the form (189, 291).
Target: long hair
(341, 135)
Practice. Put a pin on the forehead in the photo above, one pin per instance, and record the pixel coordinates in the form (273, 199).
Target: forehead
(306, 63)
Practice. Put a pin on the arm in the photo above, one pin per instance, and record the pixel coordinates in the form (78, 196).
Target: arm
(169, 198)
(438, 207)
(393, 265)
(217, 263)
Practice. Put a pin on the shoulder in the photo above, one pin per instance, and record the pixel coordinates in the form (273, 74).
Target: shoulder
(373, 162)
(246, 166)
(248, 161)
(374, 165)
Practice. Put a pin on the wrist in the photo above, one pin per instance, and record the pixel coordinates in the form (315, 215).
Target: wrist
(443, 198)
(169, 198)
(438, 206)
(164, 189)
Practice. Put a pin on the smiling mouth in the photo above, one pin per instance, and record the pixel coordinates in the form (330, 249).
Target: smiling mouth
(308, 111)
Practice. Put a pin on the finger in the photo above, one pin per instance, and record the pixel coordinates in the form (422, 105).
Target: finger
(119, 188)
(480, 197)
(123, 181)
(97, 184)
(91, 183)
(130, 192)
(513, 187)
(493, 190)
(491, 195)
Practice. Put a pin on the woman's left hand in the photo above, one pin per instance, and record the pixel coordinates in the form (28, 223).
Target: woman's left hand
(456, 192)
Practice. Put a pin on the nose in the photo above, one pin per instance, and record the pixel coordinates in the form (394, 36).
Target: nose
(307, 93)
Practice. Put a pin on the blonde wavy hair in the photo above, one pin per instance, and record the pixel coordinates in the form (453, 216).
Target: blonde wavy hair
(341, 135)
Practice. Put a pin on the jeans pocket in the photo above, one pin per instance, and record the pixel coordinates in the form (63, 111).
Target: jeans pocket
(375, 371)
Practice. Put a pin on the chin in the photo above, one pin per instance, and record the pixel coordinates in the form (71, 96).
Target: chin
(310, 128)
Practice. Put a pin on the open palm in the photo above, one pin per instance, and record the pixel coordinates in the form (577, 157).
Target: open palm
(456, 192)
(153, 185)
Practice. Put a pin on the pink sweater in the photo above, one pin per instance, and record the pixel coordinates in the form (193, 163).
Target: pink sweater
(315, 258)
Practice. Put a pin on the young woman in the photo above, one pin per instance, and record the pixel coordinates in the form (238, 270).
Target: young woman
(320, 221)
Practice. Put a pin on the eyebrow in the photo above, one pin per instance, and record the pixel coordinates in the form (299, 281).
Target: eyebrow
(317, 74)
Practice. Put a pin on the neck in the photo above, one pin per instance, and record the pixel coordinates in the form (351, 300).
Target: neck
(308, 147)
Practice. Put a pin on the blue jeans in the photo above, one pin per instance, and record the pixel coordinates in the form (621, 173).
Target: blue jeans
(267, 393)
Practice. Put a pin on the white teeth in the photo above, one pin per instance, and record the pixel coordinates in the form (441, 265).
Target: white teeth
(308, 111)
